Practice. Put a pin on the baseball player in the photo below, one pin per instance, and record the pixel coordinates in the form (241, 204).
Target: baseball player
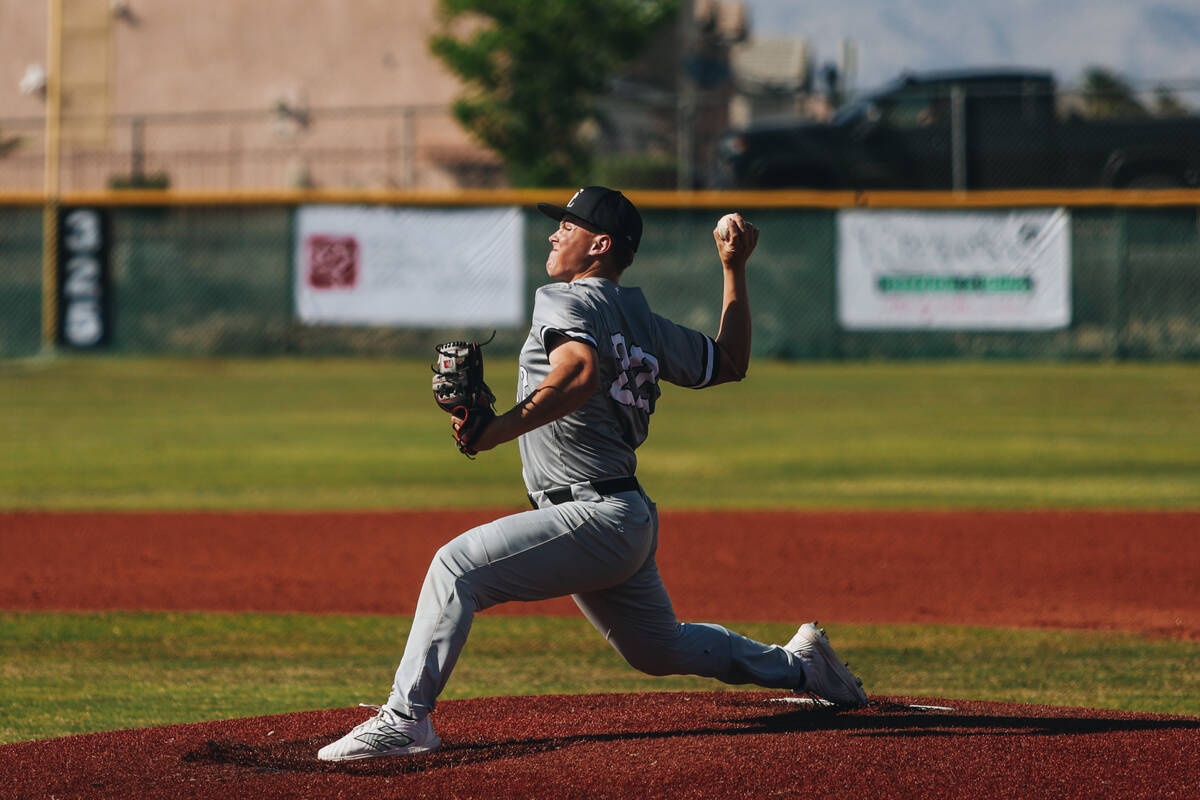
(588, 384)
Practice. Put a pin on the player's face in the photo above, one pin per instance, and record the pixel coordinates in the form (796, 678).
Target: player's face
(570, 254)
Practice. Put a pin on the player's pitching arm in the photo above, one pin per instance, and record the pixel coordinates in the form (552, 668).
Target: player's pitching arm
(574, 377)
(736, 239)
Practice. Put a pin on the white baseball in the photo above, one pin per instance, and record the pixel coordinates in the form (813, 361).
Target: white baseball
(723, 227)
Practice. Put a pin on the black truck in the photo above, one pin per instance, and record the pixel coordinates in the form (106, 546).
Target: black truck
(963, 130)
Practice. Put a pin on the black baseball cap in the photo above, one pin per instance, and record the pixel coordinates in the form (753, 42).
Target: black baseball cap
(604, 209)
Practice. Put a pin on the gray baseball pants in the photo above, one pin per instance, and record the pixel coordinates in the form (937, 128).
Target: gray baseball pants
(601, 551)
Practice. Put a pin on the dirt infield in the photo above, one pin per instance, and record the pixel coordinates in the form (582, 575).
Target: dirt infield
(679, 745)
(1107, 571)
(1118, 571)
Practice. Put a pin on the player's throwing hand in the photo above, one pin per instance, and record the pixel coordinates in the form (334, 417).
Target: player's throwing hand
(736, 239)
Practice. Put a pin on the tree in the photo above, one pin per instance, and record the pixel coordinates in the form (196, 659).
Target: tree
(1108, 95)
(533, 70)
(1166, 103)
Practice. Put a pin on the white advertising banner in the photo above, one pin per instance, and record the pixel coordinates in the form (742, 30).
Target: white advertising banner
(367, 265)
(954, 270)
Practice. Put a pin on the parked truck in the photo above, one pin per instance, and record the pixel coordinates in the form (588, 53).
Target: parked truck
(964, 130)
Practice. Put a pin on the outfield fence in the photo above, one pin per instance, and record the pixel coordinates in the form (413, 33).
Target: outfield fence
(198, 275)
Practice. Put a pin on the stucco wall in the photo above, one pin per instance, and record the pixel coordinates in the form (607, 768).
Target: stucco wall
(208, 59)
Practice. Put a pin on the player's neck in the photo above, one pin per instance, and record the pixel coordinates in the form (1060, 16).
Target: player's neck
(599, 269)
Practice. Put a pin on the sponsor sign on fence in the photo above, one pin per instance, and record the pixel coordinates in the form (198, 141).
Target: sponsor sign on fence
(949, 270)
(360, 265)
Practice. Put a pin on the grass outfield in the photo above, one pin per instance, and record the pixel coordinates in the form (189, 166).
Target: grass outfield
(339, 434)
(70, 673)
(358, 434)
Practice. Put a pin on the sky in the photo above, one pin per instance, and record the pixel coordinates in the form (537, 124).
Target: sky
(1146, 41)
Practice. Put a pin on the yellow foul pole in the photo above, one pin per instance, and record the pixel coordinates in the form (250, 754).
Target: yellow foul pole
(52, 188)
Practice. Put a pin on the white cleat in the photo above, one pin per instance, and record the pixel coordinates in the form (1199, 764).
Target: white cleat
(825, 676)
(385, 734)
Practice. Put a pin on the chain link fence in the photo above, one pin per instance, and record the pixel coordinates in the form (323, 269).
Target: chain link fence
(213, 280)
(20, 280)
(390, 147)
(1021, 133)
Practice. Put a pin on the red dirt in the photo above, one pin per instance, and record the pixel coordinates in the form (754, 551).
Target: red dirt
(1111, 571)
(679, 745)
(1099, 570)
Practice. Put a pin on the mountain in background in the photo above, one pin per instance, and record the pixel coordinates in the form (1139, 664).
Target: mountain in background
(1146, 42)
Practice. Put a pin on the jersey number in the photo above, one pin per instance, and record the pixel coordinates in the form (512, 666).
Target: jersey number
(636, 383)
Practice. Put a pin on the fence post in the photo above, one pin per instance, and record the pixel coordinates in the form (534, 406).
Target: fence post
(410, 147)
(1121, 312)
(958, 138)
(233, 175)
(137, 150)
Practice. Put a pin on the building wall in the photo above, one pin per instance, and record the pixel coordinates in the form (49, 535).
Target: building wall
(366, 104)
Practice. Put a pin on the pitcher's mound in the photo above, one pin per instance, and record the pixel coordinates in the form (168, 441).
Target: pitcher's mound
(702, 745)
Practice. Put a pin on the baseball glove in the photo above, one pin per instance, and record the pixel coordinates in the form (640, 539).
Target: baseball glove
(459, 390)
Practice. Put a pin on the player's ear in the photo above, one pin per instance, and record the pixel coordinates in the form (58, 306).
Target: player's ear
(601, 244)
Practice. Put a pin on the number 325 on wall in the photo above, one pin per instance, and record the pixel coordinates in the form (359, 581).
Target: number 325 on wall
(83, 292)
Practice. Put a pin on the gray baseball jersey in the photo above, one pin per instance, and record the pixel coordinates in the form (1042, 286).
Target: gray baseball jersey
(635, 349)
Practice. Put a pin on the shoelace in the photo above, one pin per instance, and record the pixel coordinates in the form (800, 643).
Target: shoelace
(379, 713)
(362, 725)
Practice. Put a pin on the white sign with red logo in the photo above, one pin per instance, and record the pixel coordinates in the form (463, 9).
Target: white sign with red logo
(366, 265)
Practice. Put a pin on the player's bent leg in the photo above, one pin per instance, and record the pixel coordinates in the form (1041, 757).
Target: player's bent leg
(534, 555)
(445, 612)
(638, 620)
(530, 556)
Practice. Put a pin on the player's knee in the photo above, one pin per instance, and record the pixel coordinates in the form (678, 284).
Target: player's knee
(442, 565)
(650, 665)
(447, 583)
(655, 658)
(452, 559)
(445, 574)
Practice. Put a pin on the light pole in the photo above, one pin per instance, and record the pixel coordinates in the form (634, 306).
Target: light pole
(51, 187)
(685, 96)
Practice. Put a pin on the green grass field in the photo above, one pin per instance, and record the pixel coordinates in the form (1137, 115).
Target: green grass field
(331, 434)
(335, 434)
(73, 673)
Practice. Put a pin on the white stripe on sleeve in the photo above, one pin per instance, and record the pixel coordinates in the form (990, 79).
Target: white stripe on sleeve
(708, 364)
(573, 333)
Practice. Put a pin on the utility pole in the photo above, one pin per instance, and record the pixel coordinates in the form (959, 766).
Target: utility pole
(51, 182)
(685, 97)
